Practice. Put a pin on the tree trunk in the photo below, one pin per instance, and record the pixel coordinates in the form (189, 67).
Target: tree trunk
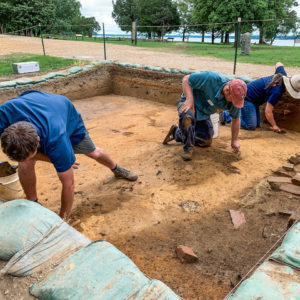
(226, 37)
(222, 37)
(261, 36)
(203, 35)
(213, 37)
(183, 34)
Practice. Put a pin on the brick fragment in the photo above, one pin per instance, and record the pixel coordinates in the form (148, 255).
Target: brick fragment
(237, 218)
(297, 168)
(290, 188)
(275, 182)
(186, 254)
(288, 166)
(296, 179)
(294, 160)
(283, 172)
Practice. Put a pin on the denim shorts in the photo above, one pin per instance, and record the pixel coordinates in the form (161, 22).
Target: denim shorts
(86, 146)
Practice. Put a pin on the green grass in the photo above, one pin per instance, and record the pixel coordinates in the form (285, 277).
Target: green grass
(47, 63)
(259, 54)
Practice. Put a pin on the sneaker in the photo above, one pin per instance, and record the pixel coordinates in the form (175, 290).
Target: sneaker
(124, 173)
(170, 136)
(186, 156)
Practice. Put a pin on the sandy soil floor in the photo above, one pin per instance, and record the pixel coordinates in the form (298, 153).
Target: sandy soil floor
(93, 51)
(147, 219)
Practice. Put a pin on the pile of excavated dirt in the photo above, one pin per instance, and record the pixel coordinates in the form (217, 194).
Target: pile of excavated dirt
(173, 202)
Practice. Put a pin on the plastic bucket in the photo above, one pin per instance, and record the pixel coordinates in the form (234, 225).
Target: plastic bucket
(215, 122)
(10, 187)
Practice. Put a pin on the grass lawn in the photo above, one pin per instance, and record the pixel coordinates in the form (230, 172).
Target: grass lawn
(260, 54)
(47, 63)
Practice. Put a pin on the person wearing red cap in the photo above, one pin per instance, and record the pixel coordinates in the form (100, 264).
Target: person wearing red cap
(268, 90)
(203, 93)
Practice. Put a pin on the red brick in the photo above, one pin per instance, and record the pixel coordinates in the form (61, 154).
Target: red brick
(237, 218)
(275, 182)
(294, 160)
(288, 167)
(186, 254)
(290, 188)
(296, 179)
(283, 172)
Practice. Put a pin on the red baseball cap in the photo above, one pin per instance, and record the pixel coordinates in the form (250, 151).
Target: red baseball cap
(238, 91)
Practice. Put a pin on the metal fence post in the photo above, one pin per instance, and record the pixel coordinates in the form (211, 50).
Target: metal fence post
(42, 38)
(236, 42)
(104, 40)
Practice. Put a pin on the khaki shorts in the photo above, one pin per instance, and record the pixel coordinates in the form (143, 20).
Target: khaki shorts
(86, 146)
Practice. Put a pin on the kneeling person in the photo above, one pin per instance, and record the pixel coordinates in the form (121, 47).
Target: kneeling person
(203, 93)
(42, 126)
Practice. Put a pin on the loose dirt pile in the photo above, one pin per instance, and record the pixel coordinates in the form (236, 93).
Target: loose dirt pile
(175, 202)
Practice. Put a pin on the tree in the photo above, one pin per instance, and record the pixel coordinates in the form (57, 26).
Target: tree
(5, 16)
(124, 13)
(158, 16)
(185, 8)
(85, 26)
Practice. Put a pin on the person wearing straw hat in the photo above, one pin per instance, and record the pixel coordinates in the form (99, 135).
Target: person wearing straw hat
(203, 93)
(266, 89)
(42, 126)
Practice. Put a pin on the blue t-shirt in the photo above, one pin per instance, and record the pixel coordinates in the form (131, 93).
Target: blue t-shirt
(258, 95)
(207, 91)
(58, 124)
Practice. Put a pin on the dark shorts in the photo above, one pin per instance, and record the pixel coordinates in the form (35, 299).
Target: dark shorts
(86, 146)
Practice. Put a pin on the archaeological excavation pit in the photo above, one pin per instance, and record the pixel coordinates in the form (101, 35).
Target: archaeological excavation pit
(128, 112)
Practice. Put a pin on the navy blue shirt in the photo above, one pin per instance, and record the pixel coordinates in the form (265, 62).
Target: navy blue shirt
(207, 92)
(58, 124)
(258, 95)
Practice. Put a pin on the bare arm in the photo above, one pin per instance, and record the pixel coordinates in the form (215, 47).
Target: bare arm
(188, 92)
(235, 128)
(270, 117)
(67, 193)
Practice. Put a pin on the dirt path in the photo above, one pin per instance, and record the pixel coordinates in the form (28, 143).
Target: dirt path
(93, 51)
(146, 219)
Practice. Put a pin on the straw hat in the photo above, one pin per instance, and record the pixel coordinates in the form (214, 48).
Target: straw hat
(292, 85)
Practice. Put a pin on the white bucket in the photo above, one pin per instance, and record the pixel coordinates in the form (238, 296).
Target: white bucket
(10, 187)
(215, 122)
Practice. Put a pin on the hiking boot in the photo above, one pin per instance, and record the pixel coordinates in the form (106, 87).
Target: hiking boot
(170, 136)
(124, 173)
(186, 156)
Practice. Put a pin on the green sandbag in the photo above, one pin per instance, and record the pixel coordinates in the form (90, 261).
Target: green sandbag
(124, 64)
(7, 84)
(157, 69)
(24, 81)
(271, 281)
(185, 71)
(25, 222)
(53, 75)
(74, 70)
(175, 71)
(166, 70)
(87, 67)
(245, 78)
(288, 253)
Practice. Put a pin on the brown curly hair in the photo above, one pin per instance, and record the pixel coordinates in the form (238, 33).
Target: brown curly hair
(19, 140)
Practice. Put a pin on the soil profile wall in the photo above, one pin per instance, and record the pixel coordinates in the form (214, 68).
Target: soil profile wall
(141, 83)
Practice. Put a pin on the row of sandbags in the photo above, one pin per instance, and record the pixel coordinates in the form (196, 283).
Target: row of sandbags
(278, 278)
(26, 82)
(31, 236)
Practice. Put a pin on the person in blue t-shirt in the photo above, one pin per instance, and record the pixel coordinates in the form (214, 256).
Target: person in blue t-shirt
(266, 89)
(42, 126)
(203, 93)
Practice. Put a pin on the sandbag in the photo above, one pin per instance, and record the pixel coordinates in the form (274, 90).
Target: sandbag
(22, 224)
(157, 290)
(271, 281)
(74, 70)
(61, 241)
(24, 81)
(288, 253)
(185, 71)
(7, 84)
(98, 271)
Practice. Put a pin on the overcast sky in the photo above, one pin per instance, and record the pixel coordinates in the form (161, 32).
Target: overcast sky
(102, 9)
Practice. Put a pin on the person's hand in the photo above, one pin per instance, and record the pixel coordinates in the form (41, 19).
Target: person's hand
(186, 106)
(76, 165)
(235, 145)
(275, 128)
